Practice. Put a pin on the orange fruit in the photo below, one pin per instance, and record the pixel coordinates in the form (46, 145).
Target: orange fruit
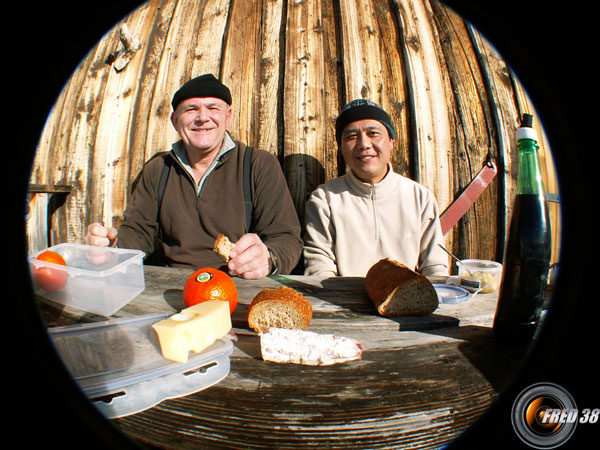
(50, 256)
(210, 284)
(49, 278)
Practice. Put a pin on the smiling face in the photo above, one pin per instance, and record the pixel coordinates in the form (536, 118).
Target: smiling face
(366, 147)
(201, 123)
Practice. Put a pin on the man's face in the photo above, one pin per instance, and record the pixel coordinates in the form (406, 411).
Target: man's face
(201, 123)
(366, 147)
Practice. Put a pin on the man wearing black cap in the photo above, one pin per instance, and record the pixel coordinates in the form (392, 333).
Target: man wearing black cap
(204, 195)
(371, 212)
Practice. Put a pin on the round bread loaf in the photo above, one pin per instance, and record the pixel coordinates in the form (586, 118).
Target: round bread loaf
(396, 290)
(282, 307)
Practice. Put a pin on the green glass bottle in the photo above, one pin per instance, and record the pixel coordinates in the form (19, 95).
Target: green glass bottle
(528, 250)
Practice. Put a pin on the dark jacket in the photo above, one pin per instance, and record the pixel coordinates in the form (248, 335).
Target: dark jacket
(191, 223)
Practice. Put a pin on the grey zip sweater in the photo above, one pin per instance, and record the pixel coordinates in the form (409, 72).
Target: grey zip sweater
(193, 216)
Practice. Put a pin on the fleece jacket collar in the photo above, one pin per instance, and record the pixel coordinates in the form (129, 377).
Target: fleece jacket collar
(180, 154)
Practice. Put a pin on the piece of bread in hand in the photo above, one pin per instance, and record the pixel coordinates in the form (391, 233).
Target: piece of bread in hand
(282, 307)
(396, 290)
(305, 347)
(224, 247)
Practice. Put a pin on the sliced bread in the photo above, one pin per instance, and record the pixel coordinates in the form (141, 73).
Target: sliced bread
(282, 307)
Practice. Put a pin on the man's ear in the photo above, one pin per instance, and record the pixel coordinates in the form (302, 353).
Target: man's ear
(174, 120)
(228, 117)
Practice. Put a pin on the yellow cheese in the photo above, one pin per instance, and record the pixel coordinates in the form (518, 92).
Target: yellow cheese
(193, 329)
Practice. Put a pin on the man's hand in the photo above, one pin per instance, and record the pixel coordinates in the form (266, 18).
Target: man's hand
(100, 236)
(250, 258)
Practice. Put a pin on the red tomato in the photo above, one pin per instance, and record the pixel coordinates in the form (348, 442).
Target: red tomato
(49, 278)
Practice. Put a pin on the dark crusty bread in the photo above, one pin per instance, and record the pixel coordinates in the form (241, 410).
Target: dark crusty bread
(281, 308)
(223, 246)
(396, 290)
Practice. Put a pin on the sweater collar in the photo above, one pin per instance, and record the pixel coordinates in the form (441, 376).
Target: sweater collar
(181, 154)
(359, 187)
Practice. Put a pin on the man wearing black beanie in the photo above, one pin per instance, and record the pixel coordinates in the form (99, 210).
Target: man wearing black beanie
(203, 195)
(371, 212)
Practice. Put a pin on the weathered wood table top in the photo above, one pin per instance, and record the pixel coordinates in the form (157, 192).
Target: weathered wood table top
(421, 380)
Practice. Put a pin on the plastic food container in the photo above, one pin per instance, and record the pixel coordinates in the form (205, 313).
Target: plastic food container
(119, 366)
(448, 293)
(479, 275)
(99, 280)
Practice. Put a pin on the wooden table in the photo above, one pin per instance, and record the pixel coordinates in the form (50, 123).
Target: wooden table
(421, 379)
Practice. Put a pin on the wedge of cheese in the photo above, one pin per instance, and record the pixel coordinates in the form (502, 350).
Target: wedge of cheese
(193, 329)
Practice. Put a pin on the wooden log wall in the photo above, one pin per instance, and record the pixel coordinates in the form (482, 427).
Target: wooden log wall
(291, 65)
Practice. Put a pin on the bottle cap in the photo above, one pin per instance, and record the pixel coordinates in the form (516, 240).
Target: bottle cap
(525, 130)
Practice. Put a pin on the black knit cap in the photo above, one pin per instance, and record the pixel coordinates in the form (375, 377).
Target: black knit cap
(362, 109)
(203, 86)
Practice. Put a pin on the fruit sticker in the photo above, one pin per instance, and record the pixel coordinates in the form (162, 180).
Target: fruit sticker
(204, 277)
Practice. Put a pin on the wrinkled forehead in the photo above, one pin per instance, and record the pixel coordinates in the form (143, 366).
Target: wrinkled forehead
(204, 101)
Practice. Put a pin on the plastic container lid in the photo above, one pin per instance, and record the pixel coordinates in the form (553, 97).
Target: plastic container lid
(448, 293)
(119, 366)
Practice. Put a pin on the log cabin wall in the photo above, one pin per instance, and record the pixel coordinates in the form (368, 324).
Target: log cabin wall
(291, 66)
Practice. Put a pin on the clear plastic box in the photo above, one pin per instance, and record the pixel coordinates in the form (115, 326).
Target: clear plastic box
(479, 275)
(119, 366)
(99, 280)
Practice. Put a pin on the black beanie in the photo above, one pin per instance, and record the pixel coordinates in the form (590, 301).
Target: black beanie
(203, 86)
(362, 109)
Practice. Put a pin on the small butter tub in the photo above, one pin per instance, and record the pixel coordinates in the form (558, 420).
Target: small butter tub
(479, 275)
(99, 280)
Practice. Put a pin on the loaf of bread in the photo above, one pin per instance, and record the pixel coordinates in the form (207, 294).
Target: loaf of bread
(282, 308)
(223, 247)
(396, 290)
(305, 347)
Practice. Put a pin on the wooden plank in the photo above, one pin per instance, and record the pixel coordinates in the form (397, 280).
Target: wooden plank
(394, 83)
(362, 57)
(111, 145)
(472, 135)
(430, 95)
(36, 222)
(206, 56)
(153, 32)
(306, 79)
(331, 84)
(173, 70)
(240, 67)
(269, 121)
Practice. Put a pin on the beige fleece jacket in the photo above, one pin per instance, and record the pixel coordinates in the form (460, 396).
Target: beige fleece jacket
(350, 225)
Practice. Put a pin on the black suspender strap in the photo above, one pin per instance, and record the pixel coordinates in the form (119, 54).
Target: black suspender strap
(162, 182)
(248, 188)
